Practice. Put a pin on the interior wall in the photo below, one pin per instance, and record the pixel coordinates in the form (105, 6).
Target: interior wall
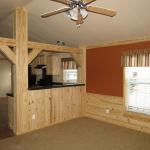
(5, 77)
(104, 71)
(103, 99)
(111, 109)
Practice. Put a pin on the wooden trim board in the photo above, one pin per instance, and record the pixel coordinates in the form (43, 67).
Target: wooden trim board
(53, 48)
(8, 53)
(36, 45)
(33, 54)
(117, 43)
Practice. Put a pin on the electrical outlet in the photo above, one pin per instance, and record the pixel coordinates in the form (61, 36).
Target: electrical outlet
(33, 117)
(107, 111)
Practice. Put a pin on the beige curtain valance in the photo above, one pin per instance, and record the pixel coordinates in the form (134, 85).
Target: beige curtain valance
(68, 63)
(136, 58)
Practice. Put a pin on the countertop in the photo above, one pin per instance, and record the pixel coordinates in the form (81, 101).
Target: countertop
(37, 87)
(10, 94)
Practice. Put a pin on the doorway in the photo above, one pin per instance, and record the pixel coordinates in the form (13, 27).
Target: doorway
(5, 95)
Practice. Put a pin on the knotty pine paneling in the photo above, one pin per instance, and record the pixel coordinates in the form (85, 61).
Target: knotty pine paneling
(66, 103)
(39, 109)
(46, 107)
(96, 106)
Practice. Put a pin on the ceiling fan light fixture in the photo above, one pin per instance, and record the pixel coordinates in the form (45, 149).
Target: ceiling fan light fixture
(84, 13)
(73, 13)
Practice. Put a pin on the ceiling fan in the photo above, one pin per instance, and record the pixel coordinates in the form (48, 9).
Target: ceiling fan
(77, 10)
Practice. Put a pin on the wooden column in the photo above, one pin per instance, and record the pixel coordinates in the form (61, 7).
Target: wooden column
(83, 77)
(21, 69)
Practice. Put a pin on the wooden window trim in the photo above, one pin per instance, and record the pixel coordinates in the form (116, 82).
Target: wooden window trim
(132, 115)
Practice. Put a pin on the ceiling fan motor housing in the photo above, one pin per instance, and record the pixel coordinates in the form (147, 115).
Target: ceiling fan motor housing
(76, 6)
(79, 4)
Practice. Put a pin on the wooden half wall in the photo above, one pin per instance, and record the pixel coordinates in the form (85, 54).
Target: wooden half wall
(34, 109)
(111, 109)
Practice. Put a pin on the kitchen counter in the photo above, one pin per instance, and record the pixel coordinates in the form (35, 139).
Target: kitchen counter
(60, 85)
(10, 94)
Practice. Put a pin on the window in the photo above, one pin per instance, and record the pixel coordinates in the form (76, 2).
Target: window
(70, 75)
(137, 89)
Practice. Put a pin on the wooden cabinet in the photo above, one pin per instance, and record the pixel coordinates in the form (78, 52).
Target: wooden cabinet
(66, 103)
(45, 107)
(49, 64)
(43, 59)
(39, 109)
(56, 65)
(53, 63)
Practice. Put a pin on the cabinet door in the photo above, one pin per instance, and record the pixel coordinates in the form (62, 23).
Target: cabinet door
(49, 64)
(56, 65)
(66, 103)
(39, 109)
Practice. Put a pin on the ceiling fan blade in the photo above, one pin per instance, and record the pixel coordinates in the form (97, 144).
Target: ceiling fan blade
(55, 12)
(102, 11)
(88, 1)
(66, 2)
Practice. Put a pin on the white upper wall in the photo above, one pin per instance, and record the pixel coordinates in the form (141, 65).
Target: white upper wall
(132, 21)
(5, 77)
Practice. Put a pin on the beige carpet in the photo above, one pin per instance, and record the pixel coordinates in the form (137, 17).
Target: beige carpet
(80, 134)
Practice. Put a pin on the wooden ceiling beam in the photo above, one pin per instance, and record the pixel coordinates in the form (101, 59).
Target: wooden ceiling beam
(8, 53)
(8, 42)
(76, 58)
(37, 45)
(53, 48)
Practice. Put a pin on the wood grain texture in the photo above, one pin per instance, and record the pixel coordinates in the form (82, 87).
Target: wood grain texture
(48, 107)
(44, 46)
(7, 41)
(56, 65)
(38, 109)
(66, 103)
(8, 53)
(53, 48)
(37, 61)
(33, 54)
(21, 76)
(77, 59)
(33, 110)
(102, 11)
(97, 105)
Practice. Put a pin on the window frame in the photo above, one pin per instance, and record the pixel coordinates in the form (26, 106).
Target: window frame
(65, 75)
(128, 113)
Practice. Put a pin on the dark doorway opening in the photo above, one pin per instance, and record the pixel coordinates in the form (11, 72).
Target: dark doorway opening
(6, 93)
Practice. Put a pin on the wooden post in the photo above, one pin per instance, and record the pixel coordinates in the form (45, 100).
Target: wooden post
(82, 75)
(21, 68)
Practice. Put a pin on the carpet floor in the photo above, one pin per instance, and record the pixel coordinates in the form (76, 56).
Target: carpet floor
(79, 134)
(4, 129)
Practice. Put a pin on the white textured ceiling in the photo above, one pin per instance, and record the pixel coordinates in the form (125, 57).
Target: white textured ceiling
(132, 21)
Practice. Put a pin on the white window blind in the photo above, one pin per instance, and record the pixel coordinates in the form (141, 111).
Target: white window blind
(137, 86)
(70, 75)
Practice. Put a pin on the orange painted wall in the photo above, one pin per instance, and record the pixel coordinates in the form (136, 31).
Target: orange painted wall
(104, 71)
